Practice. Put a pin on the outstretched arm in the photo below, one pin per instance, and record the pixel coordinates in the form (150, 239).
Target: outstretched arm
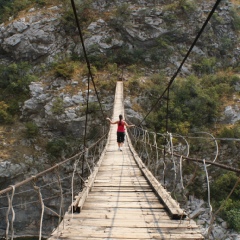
(127, 125)
(111, 121)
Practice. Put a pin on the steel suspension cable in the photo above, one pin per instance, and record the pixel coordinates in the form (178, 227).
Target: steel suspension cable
(185, 58)
(85, 54)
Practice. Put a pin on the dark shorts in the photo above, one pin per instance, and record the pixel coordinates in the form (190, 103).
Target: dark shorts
(120, 137)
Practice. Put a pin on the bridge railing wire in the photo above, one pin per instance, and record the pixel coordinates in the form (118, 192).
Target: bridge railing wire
(170, 167)
(46, 194)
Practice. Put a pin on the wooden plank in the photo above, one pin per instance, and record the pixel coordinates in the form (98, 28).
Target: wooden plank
(129, 230)
(123, 185)
(120, 234)
(128, 233)
(124, 189)
(124, 194)
(93, 205)
(118, 199)
(97, 214)
(138, 223)
(169, 202)
(133, 211)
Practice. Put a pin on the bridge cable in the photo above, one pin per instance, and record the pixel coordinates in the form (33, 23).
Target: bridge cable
(10, 208)
(174, 163)
(85, 54)
(85, 130)
(208, 187)
(72, 183)
(233, 169)
(185, 58)
(61, 202)
(37, 189)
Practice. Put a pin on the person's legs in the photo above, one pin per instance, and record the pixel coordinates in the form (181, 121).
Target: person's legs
(122, 135)
(119, 140)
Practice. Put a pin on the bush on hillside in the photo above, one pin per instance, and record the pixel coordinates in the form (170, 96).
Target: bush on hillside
(5, 117)
(56, 148)
(16, 77)
(64, 69)
(58, 106)
(220, 189)
(235, 12)
(32, 129)
(205, 66)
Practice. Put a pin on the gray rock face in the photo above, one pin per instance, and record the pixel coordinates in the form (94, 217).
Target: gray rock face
(103, 36)
(199, 210)
(33, 36)
(232, 114)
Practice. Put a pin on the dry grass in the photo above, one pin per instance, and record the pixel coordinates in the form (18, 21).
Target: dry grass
(237, 2)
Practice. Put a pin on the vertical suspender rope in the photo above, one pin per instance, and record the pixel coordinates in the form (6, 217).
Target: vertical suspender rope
(72, 187)
(85, 131)
(174, 164)
(208, 186)
(13, 213)
(7, 215)
(166, 128)
(10, 208)
(61, 202)
(156, 147)
(37, 189)
(181, 173)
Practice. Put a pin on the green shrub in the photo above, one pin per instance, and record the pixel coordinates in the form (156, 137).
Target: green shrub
(123, 12)
(134, 86)
(216, 18)
(13, 7)
(32, 129)
(58, 106)
(188, 5)
(86, 70)
(5, 117)
(65, 69)
(236, 18)
(68, 20)
(85, 12)
(55, 148)
(233, 132)
(227, 44)
(16, 77)
(93, 108)
(112, 68)
(205, 66)
(98, 60)
(223, 185)
(233, 219)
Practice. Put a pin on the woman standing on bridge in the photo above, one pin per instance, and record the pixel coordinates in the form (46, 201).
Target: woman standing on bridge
(120, 130)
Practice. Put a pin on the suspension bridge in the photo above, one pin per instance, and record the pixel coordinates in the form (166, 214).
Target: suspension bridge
(121, 197)
(123, 200)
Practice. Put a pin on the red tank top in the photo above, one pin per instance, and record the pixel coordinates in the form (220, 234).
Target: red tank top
(121, 126)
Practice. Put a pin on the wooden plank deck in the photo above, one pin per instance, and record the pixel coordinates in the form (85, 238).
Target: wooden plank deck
(123, 201)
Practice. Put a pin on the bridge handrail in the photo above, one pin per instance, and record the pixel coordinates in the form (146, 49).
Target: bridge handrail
(8, 189)
(223, 166)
